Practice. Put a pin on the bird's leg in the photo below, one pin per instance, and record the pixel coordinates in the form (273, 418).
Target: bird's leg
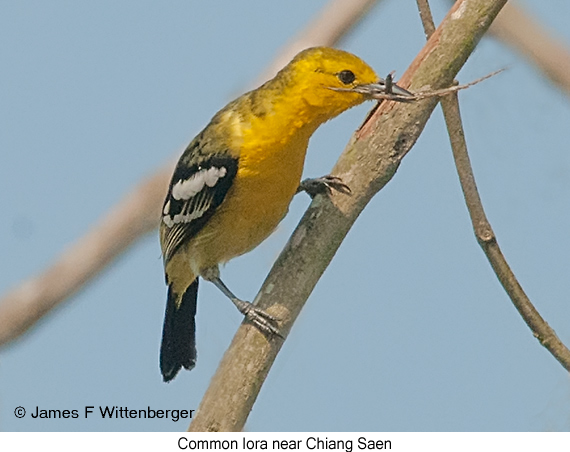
(258, 317)
(323, 185)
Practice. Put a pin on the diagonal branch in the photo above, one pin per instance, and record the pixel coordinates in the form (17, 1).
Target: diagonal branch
(138, 212)
(483, 231)
(366, 165)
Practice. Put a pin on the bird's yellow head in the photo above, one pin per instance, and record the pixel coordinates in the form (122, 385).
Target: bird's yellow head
(331, 81)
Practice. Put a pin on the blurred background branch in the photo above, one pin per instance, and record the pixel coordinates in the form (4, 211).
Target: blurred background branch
(524, 34)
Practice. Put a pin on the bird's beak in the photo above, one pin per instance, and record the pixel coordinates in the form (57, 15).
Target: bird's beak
(382, 89)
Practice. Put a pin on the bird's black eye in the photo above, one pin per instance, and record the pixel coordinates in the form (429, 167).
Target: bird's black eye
(346, 76)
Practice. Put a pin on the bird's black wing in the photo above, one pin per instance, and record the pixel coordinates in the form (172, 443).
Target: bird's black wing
(199, 185)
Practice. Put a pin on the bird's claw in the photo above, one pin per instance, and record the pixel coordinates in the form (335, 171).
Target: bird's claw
(324, 185)
(260, 318)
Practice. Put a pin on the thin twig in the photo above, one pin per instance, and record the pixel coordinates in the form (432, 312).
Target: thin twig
(367, 164)
(483, 231)
(138, 212)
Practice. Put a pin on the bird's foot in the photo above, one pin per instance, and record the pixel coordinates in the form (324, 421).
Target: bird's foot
(261, 319)
(324, 185)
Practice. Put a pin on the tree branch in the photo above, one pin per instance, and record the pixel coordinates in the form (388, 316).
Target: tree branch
(366, 165)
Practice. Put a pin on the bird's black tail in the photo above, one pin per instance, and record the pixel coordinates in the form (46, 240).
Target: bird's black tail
(179, 332)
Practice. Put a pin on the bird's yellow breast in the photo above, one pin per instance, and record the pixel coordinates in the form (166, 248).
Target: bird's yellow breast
(269, 171)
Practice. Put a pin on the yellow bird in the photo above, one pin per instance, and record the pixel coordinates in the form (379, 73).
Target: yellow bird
(235, 180)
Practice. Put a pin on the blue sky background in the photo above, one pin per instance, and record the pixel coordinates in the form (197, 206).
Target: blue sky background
(408, 330)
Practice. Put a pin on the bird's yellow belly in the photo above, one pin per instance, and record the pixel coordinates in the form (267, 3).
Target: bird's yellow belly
(253, 207)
